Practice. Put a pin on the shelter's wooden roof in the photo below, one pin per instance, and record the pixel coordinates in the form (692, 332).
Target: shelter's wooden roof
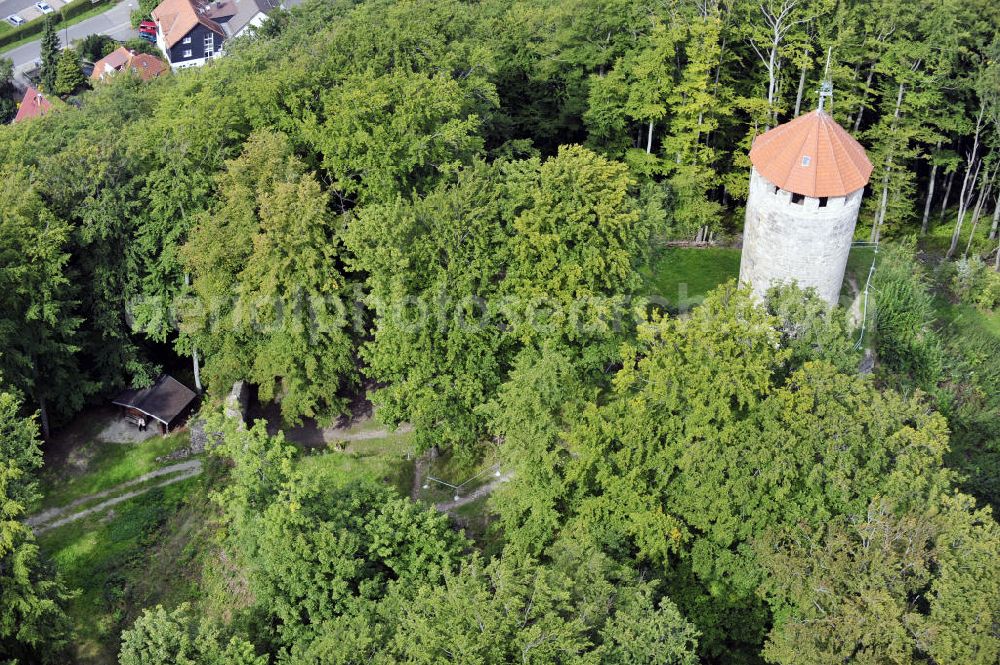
(164, 400)
(811, 155)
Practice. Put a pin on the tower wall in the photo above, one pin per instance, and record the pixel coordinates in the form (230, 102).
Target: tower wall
(801, 242)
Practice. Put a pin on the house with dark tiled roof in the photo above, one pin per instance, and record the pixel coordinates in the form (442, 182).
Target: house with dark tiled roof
(192, 32)
(143, 65)
(33, 105)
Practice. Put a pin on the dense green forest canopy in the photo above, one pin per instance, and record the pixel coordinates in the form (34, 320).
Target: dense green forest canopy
(448, 204)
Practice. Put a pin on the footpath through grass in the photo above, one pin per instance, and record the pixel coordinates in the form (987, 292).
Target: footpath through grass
(103, 465)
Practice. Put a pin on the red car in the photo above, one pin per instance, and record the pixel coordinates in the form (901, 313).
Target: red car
(147, 26)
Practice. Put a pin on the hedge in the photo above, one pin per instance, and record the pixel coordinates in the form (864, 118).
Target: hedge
(69, 11)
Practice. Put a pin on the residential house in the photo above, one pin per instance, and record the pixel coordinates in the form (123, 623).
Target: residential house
(192, 32)
(143, 65)
(33, 105)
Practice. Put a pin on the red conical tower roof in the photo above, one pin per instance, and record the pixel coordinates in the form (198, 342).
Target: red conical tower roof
(811, 155)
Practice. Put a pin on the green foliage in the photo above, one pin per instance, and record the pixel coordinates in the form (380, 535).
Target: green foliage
(69, 76)
(705, 445)
(143, 12)
(33, 623)
(975, 283)
(578, 236)
(907, 344)
(855, 590)
(513, 609)
(811, 330)
(49, 46)
(271, 306)
(37, 324)
(176, 638)
(96, 46)
(323, 551)
(433, 268)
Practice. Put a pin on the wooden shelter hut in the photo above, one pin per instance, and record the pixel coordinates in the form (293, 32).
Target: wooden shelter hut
(166, 402)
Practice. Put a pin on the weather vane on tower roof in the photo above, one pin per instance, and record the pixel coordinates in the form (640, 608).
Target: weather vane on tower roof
(826, 86)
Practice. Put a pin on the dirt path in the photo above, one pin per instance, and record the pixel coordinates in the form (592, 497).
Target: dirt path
(56, 517)
(448, 506)
(333, 435)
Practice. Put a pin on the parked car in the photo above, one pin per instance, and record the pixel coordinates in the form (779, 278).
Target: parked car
(44, 7)
(147, 25)
(148, 37)
(15, 20)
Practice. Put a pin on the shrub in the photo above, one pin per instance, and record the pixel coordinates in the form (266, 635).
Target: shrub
(904, 311)
(975, 283)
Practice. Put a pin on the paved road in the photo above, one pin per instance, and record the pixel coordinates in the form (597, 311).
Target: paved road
(113, 23)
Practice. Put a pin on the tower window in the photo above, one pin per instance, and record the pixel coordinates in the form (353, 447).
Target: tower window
(822, 201)
(798, 198)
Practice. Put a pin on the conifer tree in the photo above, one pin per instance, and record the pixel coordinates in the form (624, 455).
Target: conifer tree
(69, 76)
(50, 55)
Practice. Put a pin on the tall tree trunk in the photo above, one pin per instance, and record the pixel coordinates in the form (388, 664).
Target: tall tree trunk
(963, 205)
(802, 85)
(930, 197)
(194, 349)
(996, 219)
(864, 98)
(996, 260)
(649, 139)
(966, 194)
(43, 417)
(947, 193)
(884, 203)
(984, 192)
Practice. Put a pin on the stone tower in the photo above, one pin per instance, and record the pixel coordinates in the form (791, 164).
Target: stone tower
(806, 184)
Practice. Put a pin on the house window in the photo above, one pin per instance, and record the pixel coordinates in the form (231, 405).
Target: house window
(186, 40)
(798, 198)
(823, 201)
(187, 53)
(209, 45)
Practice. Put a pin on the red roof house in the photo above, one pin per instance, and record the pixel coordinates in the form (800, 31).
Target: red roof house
(33, 105)
(142, 64)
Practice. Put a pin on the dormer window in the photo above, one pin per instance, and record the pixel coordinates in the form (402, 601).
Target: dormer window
(805, 160)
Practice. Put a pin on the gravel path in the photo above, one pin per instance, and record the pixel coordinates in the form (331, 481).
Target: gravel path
(56, 517)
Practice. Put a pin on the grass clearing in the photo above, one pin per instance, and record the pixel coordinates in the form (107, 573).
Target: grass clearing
(107, 465)
(110, 559)
(683, 275)
(388, 460)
